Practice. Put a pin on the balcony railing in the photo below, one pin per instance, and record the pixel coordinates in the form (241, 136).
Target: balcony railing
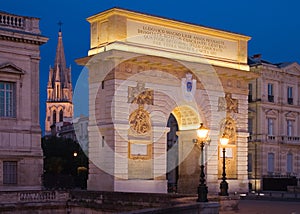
(275, 139)
(37, 196)
(271, 98)
(290, 101)
(12, 21)
(271, 137)
(290, 139)
(19, 23)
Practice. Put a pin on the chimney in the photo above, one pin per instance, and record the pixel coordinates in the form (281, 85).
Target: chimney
(257, 56)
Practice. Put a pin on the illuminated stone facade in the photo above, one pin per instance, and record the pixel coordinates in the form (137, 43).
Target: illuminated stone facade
(142, 69)
(21, 158)
(274, 121)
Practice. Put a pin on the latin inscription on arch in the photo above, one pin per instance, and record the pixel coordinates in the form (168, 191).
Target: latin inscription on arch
(179, 40)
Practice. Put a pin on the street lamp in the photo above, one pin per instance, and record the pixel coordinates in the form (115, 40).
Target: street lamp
(224, 185)
(202, 188)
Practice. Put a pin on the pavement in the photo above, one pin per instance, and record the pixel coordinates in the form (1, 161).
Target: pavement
(266, 207)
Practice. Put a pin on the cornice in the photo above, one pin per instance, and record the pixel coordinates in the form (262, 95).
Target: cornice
(22, 38)
(166, 22)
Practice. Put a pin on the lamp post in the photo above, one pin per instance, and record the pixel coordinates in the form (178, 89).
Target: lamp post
(224, 185)
(202, 188)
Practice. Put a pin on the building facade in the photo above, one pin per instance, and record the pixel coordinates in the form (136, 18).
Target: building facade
(21, 155)
(76, 130)
(145, 71)
(80, 125)
(59, 105)
(274, 121)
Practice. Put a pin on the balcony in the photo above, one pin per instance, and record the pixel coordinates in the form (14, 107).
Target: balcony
(290, 101)
(261, 138)
(290, 139)
(271, 137)
(274, 139)
(20, 23)
(271, 98)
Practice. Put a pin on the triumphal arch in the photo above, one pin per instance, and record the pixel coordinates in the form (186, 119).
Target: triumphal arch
(152, 81)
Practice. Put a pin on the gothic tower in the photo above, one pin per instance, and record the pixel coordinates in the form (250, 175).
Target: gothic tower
(59, 106)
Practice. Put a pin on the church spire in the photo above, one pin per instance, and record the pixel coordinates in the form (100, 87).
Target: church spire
(59, 106)
(60, 60)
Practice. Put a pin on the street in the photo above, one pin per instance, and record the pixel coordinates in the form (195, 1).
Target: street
(266, 207)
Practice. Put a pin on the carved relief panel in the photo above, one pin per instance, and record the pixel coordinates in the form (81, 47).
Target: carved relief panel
(228, 127)
(228, 104)
(140, 134)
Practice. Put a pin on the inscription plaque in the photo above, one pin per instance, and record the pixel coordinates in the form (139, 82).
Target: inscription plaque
(180, 40)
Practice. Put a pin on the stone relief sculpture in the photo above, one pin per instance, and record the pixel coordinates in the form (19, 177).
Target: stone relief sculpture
(229, 129)
(228, 104)
(139, 120)
(140, 123)
(188, 86)
(140, 95)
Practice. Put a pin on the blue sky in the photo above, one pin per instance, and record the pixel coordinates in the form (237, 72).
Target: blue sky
(273, 25)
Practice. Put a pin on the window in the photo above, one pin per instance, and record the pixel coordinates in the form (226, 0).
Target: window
(103, 141)
(270, 162)
(249, 162)
(61, 115)
(102, 85)
(270, 127)
(289, 165)
(9, 172)
(54, 117)
(290, 95)
(7, 99)
(250, 92)
(270, 93)
(57, 92)
(289, 130)
(250, 126)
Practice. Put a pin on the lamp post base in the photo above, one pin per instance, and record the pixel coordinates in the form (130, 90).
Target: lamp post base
(202, 193)
(223, 188)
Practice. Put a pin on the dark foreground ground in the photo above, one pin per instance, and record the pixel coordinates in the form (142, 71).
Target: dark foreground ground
(266, 207)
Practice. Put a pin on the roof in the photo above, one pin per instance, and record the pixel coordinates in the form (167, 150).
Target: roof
(284, 64)
(292, 68)
(257, 60)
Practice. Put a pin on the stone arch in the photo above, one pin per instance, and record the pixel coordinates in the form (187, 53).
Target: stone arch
(154, 71)
(187, 117)
(165, 77)
(139, 64)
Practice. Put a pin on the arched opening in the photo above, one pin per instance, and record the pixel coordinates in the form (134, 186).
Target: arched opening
(182, 155)
(187, 117)
(57, 92)
(61, 115)
(54, 117)
(172, 154)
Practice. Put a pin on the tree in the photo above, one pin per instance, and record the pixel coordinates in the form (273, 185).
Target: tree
(64, 163)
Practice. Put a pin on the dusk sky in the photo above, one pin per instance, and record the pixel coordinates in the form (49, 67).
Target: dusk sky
(273, 25)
